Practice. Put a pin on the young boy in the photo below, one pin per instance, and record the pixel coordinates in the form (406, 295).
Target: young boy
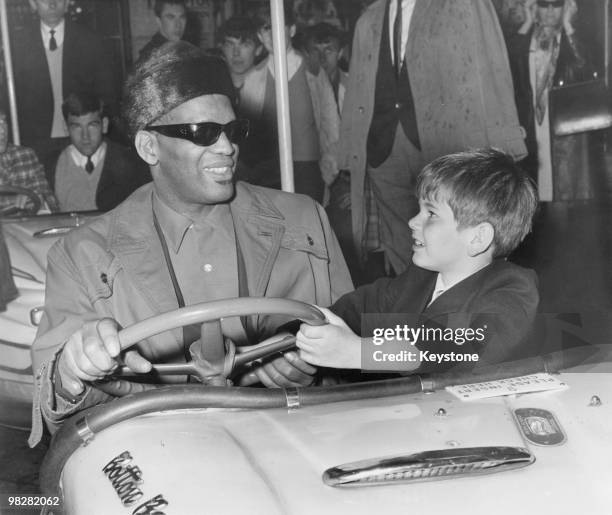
(240, 46)
(462, 300)
(314, 117)
(323, 47)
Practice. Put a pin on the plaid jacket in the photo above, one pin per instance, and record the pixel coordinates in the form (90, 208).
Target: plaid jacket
(19, 166)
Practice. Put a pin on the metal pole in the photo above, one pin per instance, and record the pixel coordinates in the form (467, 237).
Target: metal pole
(282, 94)
(607, 43)
(10, 80)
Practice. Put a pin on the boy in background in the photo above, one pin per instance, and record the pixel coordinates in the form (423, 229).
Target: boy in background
(240, 47)
(171, 18)
(323, 46)
(475, 209)
(314, 117)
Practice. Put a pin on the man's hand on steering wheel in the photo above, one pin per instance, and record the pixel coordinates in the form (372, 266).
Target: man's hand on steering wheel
(280, 372)
(91, 353)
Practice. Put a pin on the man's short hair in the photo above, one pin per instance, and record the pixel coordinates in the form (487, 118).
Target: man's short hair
(264, 14)
(324, 33)
(82, 103)
(483, 185)
(170, 76)
(159, 5)
(241, 28)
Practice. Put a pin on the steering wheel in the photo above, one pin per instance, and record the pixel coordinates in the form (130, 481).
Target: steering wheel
(212, 361)
(16, 210)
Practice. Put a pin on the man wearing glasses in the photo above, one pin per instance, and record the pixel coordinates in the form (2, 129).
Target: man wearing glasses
(190, 236)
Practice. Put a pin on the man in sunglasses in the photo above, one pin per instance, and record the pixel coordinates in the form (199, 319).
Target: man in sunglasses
(190, 236)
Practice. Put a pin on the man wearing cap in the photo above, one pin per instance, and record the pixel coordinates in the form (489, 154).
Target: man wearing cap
(190, 236)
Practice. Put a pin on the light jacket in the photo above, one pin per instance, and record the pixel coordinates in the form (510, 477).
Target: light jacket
(326, 117)
(114, 267)
(461, 85)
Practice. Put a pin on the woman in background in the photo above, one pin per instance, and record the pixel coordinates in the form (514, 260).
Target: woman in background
(546, 52)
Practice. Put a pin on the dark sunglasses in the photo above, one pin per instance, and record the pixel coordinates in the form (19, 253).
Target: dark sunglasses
(543, 4)
(206, 133)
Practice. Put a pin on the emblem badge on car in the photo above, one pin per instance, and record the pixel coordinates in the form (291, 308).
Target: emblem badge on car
(539, 426)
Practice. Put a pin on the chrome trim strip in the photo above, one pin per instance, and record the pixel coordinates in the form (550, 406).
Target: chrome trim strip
(427, 466)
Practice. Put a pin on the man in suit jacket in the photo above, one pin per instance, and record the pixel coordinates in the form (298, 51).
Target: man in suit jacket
(91, 172)
(52, 58)
(444, 92)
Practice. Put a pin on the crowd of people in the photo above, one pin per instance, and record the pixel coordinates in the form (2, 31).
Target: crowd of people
(194, 211)
(360, 131)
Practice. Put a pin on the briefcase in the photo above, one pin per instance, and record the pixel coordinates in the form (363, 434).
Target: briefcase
(580, 107)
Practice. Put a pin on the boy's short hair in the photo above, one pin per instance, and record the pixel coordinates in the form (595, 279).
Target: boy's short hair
(82, 103)
(159, 5)
(241, 28)
(484, 185)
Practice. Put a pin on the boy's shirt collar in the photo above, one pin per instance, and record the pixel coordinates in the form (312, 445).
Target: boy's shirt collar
(441, 287)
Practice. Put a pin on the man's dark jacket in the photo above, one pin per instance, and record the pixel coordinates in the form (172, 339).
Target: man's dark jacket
(86, 67)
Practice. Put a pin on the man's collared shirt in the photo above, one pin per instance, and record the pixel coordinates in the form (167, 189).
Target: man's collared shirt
(294, 60)
(203, 255)
(80, 160)
(59, 29)
(55, 63)
(407, 10)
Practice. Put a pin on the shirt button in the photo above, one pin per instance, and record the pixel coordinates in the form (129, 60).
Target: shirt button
(397, 105)
(207, 267)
